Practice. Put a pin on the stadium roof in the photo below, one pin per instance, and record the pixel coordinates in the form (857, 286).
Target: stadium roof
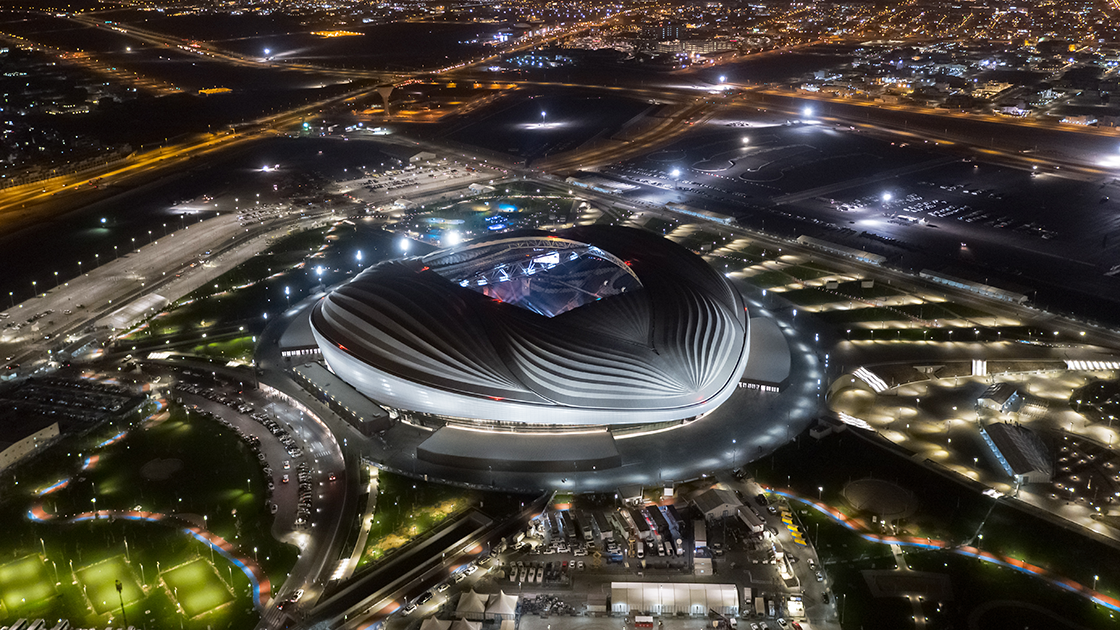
(592, 325)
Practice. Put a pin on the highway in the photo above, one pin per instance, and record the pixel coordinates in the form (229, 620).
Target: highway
(1042, 146)
(1020, 142)
(148, 36)
(15, 201)
(86, 300)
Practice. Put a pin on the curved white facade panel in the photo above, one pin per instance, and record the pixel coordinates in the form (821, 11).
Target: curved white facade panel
(663, 338)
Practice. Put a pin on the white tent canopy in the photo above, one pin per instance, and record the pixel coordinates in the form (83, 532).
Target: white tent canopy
(665, 598)
(463, 624)
(502, 604)
(431, 623)
(471, 603)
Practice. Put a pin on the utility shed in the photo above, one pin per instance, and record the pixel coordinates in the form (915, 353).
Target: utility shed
(717, 503)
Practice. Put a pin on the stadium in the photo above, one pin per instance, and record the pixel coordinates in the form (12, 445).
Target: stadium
(593, 326)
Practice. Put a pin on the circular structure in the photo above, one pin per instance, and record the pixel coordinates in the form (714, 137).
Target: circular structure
(593, 325)
(884, 499)
(160, 469)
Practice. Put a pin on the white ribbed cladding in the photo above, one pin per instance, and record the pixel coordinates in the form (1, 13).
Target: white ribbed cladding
(581, 372)
(671, 349)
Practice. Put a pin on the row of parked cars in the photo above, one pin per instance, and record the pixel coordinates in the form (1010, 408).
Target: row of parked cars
(303, 473)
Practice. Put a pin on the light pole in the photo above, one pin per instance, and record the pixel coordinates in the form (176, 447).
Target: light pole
(120, 596)
(542, 119)
(820, 493)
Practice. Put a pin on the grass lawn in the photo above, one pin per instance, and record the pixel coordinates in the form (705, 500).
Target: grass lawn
(217, 475)
(812, 297)
(100, 583)
(807, 272)
(197, 586)
(25, 582)
(947, 511)
(238, 348)
(407, 509)
(769, 279)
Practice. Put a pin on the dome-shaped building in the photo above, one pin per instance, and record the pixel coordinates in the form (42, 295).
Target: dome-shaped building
(593, 325)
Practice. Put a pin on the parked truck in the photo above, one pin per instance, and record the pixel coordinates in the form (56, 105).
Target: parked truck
(585, 527)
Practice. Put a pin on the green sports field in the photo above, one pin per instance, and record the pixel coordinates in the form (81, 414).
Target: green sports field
(100, 585)
(25, 582)
(197, 587)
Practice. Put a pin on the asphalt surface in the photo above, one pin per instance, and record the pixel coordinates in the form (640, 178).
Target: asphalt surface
(1052, 237)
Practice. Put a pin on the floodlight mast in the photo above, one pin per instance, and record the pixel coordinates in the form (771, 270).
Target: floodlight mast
(120, 596)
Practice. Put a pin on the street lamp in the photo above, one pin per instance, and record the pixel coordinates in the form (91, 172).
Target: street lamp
(120, 595)
(542, 119)
(820, 493)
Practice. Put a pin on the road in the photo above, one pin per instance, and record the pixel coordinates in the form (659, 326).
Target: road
(15, 201)
(992, 138)
(119, 292)
(334, 503)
